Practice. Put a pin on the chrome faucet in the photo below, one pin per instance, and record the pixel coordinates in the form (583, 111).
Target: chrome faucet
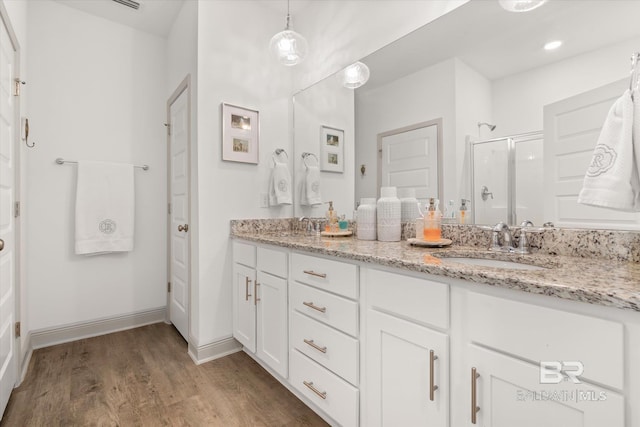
(501, 228)
(304, 218)
(523, 246)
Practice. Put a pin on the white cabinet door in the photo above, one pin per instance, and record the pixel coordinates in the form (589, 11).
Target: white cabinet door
(399, 373)
(509, 392)
(271, 294)
(244, 306)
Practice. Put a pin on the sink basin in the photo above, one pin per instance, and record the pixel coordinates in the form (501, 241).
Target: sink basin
(495, 263)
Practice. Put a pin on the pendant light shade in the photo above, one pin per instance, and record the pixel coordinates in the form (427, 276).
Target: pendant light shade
(289, 47)
(521, 5)
(355, 75)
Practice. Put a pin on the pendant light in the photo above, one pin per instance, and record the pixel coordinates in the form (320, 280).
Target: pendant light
(289, 47)
(521, 5)
(355, 75)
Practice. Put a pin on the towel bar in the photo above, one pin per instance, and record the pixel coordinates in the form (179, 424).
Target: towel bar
(62, 161)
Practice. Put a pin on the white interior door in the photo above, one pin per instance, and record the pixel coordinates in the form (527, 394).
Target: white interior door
(410, 159)
(179, 262)
(571, 129)
(8, 234)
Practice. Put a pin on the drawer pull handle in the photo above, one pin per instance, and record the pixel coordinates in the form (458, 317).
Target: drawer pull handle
(255, 292)
(246, 288)
(309, 384)
(313, 273)
(432, 386)
(316, 346)
(315, 307)
(474, 396)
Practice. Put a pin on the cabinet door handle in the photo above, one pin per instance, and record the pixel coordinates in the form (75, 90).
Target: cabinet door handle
(246, 288)
(255, 292)
(474, 395)
(432, 386)
(315, 307)
(309, 384)
(316, 346)
(313, 273)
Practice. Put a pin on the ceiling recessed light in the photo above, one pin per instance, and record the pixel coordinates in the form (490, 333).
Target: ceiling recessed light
(553, 45)
(521, 5)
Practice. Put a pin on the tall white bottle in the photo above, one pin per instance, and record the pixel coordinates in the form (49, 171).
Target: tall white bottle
(389, 210)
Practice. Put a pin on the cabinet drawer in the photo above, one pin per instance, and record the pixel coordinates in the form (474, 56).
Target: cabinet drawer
(420, 300)
(333, 276)
(244, 254)
(273, 262)
(332, 349)
(333, 310)
(333, 395)
(544, 334)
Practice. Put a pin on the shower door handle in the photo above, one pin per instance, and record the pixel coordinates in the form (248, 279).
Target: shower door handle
(184, 228)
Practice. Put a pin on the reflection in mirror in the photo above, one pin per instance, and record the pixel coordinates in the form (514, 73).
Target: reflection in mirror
(479, 64)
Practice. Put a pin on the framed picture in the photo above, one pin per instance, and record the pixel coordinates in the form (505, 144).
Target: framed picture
(240, 134)
(331, 149)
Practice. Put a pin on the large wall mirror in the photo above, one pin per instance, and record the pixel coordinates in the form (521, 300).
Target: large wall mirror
(511, 140)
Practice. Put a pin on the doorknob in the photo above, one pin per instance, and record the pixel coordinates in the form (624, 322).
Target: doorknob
(184, 228)
(1, 244)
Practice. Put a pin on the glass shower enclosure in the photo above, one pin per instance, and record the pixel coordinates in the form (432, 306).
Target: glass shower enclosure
(507, 179)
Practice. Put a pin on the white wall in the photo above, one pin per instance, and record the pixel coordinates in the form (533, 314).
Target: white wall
(96, 92)
(425, 95)
(326, 103)
(234, 66)
(473, 104)
(518, 99)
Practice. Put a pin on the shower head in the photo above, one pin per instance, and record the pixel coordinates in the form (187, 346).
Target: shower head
(489, 125)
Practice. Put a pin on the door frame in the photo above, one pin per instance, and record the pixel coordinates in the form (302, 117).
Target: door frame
(438, 123)
(185, 85)
(17, 193)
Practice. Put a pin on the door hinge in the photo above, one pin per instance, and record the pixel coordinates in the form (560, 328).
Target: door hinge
(169, 287)
(16, 86)
(17, 329)
(169, 208)
(16, 209)
(168, 126)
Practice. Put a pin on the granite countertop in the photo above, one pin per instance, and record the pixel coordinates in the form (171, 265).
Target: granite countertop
(602, 282)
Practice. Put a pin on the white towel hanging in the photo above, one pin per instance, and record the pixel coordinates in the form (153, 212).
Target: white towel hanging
(104, 208)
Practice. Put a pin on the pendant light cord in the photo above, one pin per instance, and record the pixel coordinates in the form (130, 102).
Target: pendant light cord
(288, 16)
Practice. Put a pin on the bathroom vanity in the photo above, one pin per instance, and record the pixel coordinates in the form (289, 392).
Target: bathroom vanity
(374, 333)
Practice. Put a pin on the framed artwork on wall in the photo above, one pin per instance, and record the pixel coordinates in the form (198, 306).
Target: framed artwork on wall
(240, 134)
(331, 149)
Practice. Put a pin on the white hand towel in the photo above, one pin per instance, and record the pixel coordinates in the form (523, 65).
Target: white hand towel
(611, 179)
(312, 186)
(280, 185)
(636, 145)
(104, 208)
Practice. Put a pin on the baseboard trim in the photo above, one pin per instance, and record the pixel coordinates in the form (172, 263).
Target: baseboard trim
(214, 350)
(73, 332)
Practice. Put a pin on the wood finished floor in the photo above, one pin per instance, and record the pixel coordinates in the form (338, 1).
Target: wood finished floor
(144, 377)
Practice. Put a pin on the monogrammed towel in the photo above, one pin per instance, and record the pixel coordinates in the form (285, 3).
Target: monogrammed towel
(612, 180)
(104, 208)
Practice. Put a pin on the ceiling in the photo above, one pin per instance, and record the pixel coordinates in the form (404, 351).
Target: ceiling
(153, 16)
(498, 43)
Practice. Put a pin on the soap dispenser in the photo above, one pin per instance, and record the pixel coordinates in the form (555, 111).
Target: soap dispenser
(432, 231)
(332, 219)
(463, 210)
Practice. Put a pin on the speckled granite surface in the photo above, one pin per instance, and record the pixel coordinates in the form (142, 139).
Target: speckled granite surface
(592, 280)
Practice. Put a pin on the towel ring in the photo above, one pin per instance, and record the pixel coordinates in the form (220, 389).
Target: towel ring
(276, 153)
(306, 155)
